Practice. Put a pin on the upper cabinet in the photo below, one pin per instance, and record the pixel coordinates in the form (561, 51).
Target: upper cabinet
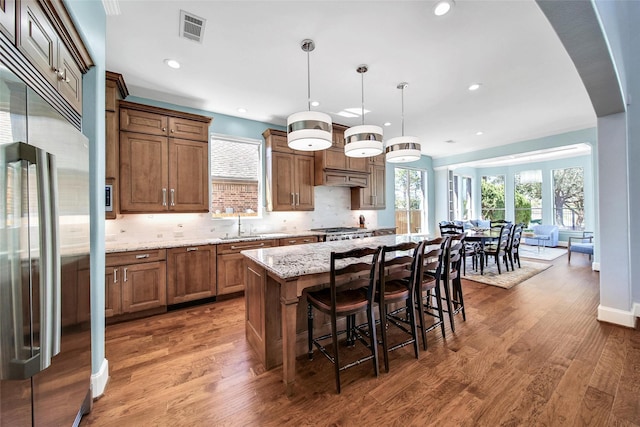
(373, 195)
(41, 46)
(333, 167)
(163, 160)
(115, 90)
(289, 175)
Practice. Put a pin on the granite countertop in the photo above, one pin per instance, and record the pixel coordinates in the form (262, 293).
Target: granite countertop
(291, 261)
(111, 247)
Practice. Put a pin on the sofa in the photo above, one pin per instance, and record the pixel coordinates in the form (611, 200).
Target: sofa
(476, 223)
(548, 235)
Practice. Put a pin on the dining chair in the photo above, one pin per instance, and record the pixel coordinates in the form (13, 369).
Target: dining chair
(513, 248)
(398, 274)
(351, 290)
(498, 250)
(471, 249)
(451, 278)
(428, 294)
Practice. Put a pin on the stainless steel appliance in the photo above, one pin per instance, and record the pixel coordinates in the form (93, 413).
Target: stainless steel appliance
(45, 338)
(332, 234)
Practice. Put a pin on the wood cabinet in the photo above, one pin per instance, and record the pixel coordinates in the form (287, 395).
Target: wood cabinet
(135, 282)
(163, 160)
(290, 175)
(40, 44)
(333, 167)
(373, 195)
(115, 89)
(191, 273)
(230, 264)
(302, 240)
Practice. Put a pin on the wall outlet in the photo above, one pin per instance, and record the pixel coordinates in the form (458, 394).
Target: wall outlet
(178, 234)
(159, 235)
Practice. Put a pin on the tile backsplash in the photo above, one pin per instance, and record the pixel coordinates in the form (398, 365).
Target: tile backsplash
(332, 209)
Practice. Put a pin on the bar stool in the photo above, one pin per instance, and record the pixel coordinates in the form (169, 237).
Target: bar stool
(428, 289)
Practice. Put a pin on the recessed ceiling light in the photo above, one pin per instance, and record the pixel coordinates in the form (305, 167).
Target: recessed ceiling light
(314, 103)
(387, 123)
(242, 110)
(479, 133)
(442, 7)
(474, 86)
(172, 63)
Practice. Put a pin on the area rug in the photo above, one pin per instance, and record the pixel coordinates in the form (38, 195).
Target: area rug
(506, 280)
(546, 254)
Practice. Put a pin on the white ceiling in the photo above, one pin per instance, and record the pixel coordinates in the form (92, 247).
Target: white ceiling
(250, 57)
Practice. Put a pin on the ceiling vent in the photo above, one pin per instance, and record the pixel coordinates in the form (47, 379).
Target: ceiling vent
(191, 26)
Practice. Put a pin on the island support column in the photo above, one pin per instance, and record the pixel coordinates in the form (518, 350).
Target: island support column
(289, 304)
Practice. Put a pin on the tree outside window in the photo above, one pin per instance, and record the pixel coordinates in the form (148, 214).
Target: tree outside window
(410, 195)
(528, 197)
(493, 193)
(568, 198)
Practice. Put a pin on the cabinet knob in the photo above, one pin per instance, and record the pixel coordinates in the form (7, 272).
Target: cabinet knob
(164, 129)
(172, 131)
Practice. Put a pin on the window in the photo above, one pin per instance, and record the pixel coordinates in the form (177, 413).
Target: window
(568, 198)
(410, 204)
(462, 197)
(528, 197)
(492, 193)
(235, 176)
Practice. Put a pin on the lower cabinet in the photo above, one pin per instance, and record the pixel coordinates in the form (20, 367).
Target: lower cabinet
(135, 281)
(298, 240)
(191, 273)
(230, 264)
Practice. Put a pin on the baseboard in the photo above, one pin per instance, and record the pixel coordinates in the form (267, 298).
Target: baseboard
(595, 266)
(618, 317)
(636, 309)
(99, 380)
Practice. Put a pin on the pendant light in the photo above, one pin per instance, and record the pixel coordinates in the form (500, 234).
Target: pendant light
(402, 149)
(309, 130)
(363, 141)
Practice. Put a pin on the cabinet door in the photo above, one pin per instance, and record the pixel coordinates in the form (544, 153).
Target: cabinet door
(111, 144)
(113, 294)
(188, 129)
(69, 79)
(38, 40)
(188, 176)
(230, 273)
(283, 193)
(358, 164)
(191, 273)
(334, 159)
(84, 295)
(8, 19)
(144, 286)
(143, 173)
(304, 183)
(378, 185)
(143, 122)
(338, 137)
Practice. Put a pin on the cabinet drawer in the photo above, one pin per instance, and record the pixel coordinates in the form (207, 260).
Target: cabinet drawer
(188, 129)
(298, 240)
(143, 122)
(135, 257)
(230, 248)
(338, 178)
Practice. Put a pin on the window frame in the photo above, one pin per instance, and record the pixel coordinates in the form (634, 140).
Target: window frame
(259, 211)
(424, 201)
(504, 197)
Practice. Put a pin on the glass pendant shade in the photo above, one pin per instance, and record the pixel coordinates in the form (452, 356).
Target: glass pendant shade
(403, 149)
(363, 141)
(309, 131)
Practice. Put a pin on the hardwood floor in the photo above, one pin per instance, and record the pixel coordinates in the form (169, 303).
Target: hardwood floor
(531, 355)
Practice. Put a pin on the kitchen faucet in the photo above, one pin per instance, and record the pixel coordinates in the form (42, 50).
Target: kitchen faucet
(239, 226)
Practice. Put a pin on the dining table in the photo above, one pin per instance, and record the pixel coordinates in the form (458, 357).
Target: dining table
(482, 236)
(275, 279)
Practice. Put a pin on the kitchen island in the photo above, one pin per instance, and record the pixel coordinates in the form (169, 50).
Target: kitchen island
(275, 279)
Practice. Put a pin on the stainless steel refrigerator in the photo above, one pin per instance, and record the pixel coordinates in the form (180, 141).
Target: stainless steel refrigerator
(45, 338)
